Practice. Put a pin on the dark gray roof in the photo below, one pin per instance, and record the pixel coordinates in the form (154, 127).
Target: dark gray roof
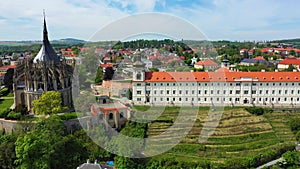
(46, 53)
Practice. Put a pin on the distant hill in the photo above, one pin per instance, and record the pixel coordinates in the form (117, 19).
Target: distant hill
(68, 41)
(289, 41)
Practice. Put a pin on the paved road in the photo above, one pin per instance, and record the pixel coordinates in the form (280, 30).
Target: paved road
(269, 163)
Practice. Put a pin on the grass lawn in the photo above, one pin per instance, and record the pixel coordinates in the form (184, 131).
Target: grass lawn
(6, 104)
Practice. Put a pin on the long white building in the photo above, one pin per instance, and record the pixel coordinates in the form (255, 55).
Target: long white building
(225, 88)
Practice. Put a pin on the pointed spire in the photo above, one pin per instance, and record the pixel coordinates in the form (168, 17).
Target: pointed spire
(46, 53)
(45, 32)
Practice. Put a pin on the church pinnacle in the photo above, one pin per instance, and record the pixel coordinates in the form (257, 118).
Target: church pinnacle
(46, 53)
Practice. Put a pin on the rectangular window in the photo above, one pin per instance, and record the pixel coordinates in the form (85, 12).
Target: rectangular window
(260, 91)
(224, 91)
(186, 92)
(138, 92)
(253, 91)
(148, 92)
(180, 99)
(161, 92)
(246, 92)
(205, 91)
(154, 91)
(180, 92)
(148, 84)
(267, 91)
(238, 84)
(139, 99)
(273, 91)
(279, 92)
(211, 92)
(237, 92)
(174, 91)
(138, 84)
(199, 92)
(230, 91)
(193, 92)
(218, 91)
(168, 99)
(168, 92)
(286, 91)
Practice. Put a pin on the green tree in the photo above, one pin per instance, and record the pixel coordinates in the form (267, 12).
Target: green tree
(49, 103)
(129, 94)
(298, 135)
(295, 124)
(154, 69)
(47, 147)
(290, 68)
(99, 75)
(291, 158)
(7, 151)
(292, 52)
(36, 148)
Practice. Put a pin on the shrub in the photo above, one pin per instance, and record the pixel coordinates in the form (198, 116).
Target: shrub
(295, 124)
(4, 113)
(68, 116)
(13, 116)
(255, 110)
(22, 109)
(4, 92)
(298, 136)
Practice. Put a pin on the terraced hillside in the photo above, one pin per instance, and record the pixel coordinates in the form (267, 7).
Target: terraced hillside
(239, 136)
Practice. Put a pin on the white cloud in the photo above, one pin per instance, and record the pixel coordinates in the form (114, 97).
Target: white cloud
(221, 19)
(243, 19)
(65, 18)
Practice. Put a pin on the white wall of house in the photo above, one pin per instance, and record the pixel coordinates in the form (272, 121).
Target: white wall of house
(242, 92)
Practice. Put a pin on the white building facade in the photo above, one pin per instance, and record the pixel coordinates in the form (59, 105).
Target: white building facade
(268, 89)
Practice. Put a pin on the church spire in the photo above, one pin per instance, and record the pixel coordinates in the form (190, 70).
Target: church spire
(45, 32)
(47, 53)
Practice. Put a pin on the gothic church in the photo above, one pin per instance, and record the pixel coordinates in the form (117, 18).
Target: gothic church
(46, 72)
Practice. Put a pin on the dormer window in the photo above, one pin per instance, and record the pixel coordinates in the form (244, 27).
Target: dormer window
(139, 76)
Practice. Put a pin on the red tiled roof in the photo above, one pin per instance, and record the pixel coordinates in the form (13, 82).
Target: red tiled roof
(222, 76)
(223, 69)
(107, 58)
(259, 58)
(264, 50)
(288, 61)
(7, 67)
(207, 62)
(106, 65)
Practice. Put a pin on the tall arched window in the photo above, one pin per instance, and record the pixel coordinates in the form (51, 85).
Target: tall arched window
(139, 76)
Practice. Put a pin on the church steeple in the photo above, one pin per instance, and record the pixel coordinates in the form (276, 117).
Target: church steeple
(45, 32)
(46, 53)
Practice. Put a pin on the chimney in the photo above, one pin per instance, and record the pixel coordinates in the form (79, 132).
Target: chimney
(294, 70)
(276, 70)
(88, 161)
(263, 70)
(95, 162)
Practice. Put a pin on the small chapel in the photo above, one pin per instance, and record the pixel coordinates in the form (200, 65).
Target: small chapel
(45, 72)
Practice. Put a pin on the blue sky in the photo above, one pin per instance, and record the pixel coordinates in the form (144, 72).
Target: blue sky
(216, 19)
